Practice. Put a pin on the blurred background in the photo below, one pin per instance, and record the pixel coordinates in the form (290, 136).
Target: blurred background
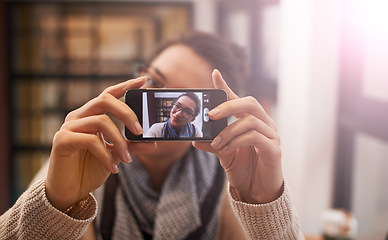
(319, 67)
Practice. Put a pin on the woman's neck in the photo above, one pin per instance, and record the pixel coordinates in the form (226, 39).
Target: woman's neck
(159, 162)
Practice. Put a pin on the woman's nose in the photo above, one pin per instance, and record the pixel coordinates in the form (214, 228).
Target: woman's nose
(180, 111)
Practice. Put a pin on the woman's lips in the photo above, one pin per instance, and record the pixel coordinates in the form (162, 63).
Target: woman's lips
(175, 118)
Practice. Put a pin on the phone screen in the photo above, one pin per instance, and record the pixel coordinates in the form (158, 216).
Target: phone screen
(176, 114)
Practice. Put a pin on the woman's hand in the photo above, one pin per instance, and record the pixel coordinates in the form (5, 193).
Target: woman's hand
(81, 160)
(248, 149)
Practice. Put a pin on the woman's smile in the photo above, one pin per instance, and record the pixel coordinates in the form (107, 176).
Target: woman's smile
(176, 118)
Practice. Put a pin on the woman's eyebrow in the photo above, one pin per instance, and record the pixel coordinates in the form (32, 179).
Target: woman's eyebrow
(158, 72)
(185, 107)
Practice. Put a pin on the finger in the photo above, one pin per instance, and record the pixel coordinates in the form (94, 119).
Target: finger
(241, 107)
(108, 103)
(225, 161)
(240, 127)
(219, 83)
(204, 146)
(104, 125)
(67, 143)
(138, 147)
(116, 91)
(251, 138)
(96, 106)
(119, 90)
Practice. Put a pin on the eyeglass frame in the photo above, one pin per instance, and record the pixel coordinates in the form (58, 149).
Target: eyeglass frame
(144, 70)
(184, 110)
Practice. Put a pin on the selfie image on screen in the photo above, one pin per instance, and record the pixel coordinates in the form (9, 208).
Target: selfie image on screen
(172, 115)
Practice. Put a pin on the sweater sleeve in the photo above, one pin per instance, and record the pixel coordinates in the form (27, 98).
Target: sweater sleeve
(33, 217)
(274, 220)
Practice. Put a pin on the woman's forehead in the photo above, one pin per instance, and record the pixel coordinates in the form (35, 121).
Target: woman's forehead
(186, 102)
(183, 68)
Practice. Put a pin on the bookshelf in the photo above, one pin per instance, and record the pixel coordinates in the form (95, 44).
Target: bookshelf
(163, 109)
(61, 54)
(4, 134)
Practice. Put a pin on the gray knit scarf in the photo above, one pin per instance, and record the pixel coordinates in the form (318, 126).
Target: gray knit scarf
(172, 214)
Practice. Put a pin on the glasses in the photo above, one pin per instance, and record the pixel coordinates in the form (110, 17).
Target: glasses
(152, 80)
(186, 112)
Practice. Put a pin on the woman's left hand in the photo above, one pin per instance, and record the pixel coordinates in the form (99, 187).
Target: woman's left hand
(248, 149)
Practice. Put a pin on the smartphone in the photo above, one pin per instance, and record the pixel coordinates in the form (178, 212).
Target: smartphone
(175, 114)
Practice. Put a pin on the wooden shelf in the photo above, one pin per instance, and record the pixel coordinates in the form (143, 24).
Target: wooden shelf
(61, 55)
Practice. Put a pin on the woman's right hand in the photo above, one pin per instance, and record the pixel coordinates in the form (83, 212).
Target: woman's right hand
(81, 160)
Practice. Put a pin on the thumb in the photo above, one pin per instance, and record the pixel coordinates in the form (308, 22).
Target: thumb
(219, 83)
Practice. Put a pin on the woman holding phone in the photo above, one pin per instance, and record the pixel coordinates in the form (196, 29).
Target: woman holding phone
(230, 188)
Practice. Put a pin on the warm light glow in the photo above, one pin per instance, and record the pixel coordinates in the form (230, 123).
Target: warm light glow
(370, 20)
(372, 15)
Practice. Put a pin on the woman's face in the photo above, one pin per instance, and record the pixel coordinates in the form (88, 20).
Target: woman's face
(177, 116)
(179, 67)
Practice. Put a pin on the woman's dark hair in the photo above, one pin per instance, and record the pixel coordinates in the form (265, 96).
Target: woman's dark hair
(229, 58)
(195, 98)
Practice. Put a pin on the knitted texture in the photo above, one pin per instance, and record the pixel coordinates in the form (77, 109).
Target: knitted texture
(33, 217)
(173, 213)
(275, 220)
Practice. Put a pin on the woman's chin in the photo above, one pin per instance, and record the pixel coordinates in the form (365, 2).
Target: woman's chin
(177, 124)
(167, 149)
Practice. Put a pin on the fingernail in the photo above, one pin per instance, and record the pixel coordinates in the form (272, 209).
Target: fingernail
(216, 71)
(128, 157)
(216, 141)
(138, 128)
(115, 169)
(141, 78)
(214, 111)
(223, 150)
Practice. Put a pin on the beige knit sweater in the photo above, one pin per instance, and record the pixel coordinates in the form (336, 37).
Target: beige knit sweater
(33, 217)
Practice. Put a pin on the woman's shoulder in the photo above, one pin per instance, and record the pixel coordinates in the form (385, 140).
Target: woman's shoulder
(155, 130)
(157, 124)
